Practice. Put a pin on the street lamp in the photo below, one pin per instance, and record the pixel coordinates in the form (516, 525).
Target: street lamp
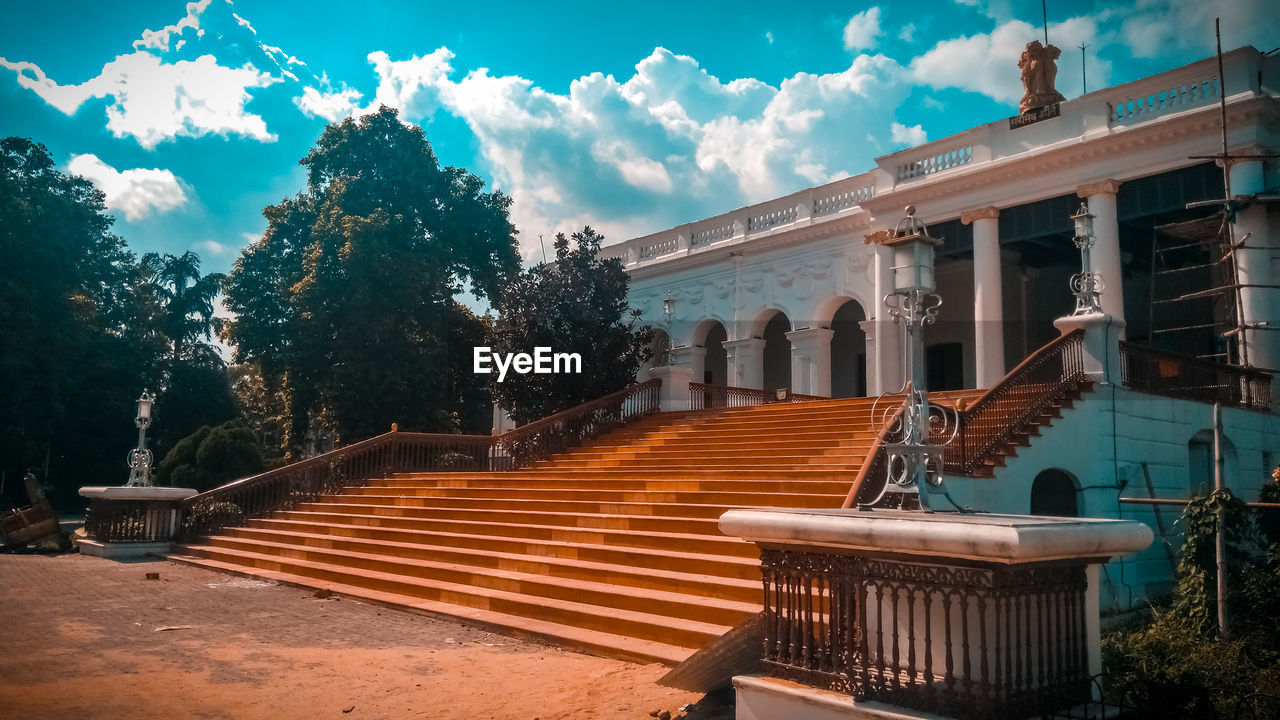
(668, 309)
(914, 304)
(140, 457)
(1085, 285)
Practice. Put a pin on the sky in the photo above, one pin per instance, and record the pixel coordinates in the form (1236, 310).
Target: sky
(192, 117)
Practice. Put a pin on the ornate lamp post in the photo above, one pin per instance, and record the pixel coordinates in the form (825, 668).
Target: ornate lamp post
(1085, 285)
(140, 457)
(914, 304)
(668, 309)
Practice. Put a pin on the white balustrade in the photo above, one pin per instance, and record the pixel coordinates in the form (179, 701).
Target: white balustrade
(771, 219)
(658, 247)
(1166, 100)
(710, 234)
(937, 162)
(825, 204)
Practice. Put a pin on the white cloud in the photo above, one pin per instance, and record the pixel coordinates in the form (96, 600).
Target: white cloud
(244, 23)
(159, 39)
(907, 33)
(768, 36)
(1159, 28)
(137, 193)
(153, 101)
(211, 247)
(669, 144)
(987, 63)
(862, 30)
(908, 136)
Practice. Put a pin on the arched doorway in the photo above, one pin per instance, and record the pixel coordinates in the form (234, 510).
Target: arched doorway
(777, 352)
(848, 352)
(1053, 492)
(716, 361)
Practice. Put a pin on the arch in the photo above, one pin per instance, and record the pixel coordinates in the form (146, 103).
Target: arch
(697, 335)
(777, 351)
(848, 350)
(715, 367)
(826, 310)
(754, 328)
(1053, 492)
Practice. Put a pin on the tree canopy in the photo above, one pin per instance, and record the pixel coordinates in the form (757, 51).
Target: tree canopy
(576, 305)
(346, 304)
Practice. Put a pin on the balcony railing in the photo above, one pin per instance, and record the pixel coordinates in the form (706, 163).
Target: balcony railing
(1159, 372)
(703, 396)
(958, 640)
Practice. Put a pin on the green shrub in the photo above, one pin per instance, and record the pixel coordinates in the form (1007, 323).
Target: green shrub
(210, 457)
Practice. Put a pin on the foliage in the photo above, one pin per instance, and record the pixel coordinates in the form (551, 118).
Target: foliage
(76, 350)
(210, 457)
(576, 305)
(1175, 664)
(345, 304)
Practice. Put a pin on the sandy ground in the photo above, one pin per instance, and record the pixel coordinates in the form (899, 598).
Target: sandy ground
(87, 638)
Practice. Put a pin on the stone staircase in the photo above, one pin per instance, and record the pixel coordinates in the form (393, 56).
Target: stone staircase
(611, 547)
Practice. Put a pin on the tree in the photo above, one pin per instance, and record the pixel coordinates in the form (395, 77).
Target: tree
(77, 350)
(211, 456)
(576, 305)
(346, 303)
(185, 297)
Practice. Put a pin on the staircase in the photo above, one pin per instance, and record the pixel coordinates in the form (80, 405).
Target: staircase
(611, 547)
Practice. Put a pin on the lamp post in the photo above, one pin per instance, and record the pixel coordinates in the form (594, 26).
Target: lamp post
(914, 304)
(668, 309)
(1085, 285)
(140, 457)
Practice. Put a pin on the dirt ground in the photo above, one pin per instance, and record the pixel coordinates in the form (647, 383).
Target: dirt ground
(87, 638)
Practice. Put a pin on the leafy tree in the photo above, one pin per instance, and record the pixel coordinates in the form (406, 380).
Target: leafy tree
(185, 298)
(210, 457)
(345, 304)
(77, 350)
(576, 305)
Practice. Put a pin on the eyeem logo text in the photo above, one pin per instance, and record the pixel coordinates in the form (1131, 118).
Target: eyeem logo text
(541, 362)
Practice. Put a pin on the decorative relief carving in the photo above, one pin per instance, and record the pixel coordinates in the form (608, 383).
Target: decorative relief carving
(753, 282)
(1102, 187)
(987, 213)
(722, 288)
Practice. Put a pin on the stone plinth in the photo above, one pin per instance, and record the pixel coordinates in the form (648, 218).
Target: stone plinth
(126, 523)
(969, 616)
(674, 394)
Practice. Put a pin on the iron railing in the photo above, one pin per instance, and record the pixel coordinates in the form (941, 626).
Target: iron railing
(132, 521)
(1045, 378)
(704, 396)
(1159, 372)
(543, 438)
(115, 521)
(961, 641)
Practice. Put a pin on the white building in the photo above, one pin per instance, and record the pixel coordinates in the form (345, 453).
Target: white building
(786, 293)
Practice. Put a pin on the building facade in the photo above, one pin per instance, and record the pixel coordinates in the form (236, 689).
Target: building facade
(787, 293)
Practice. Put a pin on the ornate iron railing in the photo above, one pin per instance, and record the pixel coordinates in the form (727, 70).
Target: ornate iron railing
(704, 396)
(1159, 372)
(232, 504)
(961, 641)
(543, 438)
(1043, 379)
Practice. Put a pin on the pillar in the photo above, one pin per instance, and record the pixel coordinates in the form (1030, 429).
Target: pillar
(745, 359)
(811, 361)
(1253, 263)
(1105, 256)
(693, 357)
(988, 298)
(871, 382)
(888, 334)
(674, 393)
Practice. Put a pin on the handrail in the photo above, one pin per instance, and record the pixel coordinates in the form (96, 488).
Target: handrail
(1160, 372)
(1044, 378)
(875, 455)
(705, 396)
(355, 464)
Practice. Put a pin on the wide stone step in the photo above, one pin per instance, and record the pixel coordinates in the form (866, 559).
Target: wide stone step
(558, 622)
(399, 496)
(420, 507)
(570, 481)
(356, 515)
(687, 460)
(702, 497)
(682, 561)
(714, 586)
(805, 473)
(594, 591)
(741, 444)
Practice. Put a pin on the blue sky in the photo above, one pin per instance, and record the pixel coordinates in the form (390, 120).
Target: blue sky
(633, 118)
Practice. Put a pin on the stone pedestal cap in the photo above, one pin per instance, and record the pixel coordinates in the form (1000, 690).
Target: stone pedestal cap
(116, 492)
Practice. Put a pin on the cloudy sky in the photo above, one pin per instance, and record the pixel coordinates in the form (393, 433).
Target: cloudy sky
(632, 118)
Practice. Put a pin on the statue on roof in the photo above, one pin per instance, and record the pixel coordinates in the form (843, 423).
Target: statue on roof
(1038, 74)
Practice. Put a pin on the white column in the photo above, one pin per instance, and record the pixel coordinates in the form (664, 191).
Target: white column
(811, 361)
(674, 393)
(871, 382)
(988, 297)
(746, 362)
(1105, 255)
(693, 357)
(1253, 262)
(888, 346)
